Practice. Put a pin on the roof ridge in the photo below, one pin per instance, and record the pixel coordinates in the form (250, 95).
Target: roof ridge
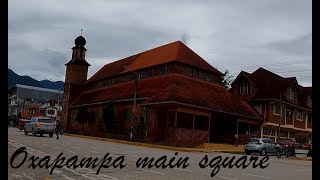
(202, 60)
(172, 52)
(178, 48)
(265, 70)
(143, 52)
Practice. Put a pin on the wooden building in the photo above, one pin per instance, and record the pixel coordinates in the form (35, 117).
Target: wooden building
(285, 106)
(167, 94)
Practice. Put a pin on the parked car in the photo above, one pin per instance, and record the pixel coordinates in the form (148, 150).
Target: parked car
(288, 142)
(262, 146)
(307, 146)
(40, 125)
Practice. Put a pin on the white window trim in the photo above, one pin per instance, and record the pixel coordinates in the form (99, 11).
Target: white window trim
(301, 116)
(309, 101)
(244, 89)
(281, 110)
(272, 131)
(291, 94)
(274, 110)
(290, 110)
(305, 116)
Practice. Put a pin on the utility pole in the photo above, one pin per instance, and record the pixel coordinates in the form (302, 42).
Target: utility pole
(24, 101)
(51, 108)
(59, 102)
(279, 118)
(135, 93)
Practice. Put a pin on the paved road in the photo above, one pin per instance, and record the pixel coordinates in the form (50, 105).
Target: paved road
(281, 169)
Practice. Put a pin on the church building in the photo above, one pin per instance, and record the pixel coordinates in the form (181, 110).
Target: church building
(166, 94)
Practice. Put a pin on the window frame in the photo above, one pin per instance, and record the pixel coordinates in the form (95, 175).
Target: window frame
(297, 117)
(291, 94)
(244, 88)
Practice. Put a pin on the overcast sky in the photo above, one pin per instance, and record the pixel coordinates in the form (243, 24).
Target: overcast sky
(234, 35)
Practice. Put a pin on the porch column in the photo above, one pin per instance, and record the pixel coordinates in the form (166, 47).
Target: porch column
(306, 119)
(209, 128)
(288, 134)
(293, 116)
(285, 115)
(249, 129)
(261, 131)
(194, 116)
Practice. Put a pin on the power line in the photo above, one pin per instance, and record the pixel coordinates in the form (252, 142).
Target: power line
(275, 67)
(276, 63)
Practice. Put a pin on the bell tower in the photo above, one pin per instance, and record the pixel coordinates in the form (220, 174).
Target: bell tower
(76, 74)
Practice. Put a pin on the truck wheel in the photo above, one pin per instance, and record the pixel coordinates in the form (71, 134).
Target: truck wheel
(51, 134)
(25, 131)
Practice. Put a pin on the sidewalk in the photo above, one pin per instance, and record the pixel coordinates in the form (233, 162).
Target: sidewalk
(204, 148)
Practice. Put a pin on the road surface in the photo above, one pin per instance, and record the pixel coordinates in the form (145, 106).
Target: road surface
(278, 169)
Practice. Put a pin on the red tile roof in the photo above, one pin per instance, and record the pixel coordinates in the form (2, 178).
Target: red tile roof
(175, 51)
(269, 86)
(35, 106)
(173, 88)
(26, 115)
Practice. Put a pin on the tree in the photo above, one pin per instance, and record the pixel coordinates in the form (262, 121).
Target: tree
(226, 79)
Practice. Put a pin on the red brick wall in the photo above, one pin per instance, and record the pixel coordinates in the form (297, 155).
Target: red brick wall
(299, 124)
(76, 73)
(272, 117)
(275, 118)
(309, 125)
(185, 137)
(98, 124)
(289, 121)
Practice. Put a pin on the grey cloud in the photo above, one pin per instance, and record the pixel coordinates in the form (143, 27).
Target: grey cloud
(228, 34)
(185, 38)
(300, 45)
(42, 64)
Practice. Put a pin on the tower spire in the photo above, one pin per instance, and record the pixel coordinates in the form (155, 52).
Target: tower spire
(81, 32)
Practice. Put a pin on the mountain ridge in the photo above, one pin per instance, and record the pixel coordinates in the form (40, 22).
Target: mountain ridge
(14, 78)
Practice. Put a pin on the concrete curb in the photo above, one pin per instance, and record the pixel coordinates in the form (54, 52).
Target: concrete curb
(303, 159)
(172, 148)
(143, 144)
